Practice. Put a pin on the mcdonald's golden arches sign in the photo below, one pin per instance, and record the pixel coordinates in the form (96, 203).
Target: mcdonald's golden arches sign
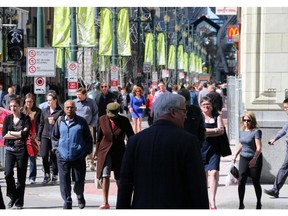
(232, 30)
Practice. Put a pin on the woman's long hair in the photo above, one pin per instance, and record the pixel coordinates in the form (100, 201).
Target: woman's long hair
(25, 108)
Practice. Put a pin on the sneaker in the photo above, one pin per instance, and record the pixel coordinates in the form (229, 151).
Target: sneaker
(47, 179)
(104, 206)
(54, 179)
(272, 192)
(32, 181)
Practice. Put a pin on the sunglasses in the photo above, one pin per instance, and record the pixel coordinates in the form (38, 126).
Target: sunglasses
(103, 86)
(246, 120)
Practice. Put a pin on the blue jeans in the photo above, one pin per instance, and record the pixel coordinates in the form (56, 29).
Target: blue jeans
(32, 168)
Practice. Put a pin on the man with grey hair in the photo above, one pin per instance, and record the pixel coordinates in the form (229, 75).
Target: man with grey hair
(160, 157)
(72, 142)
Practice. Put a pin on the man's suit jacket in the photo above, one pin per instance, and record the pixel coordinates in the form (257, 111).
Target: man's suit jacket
(162, 169)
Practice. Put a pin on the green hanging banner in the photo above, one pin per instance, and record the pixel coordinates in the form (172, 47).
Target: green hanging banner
(59, 57)
(85, 27)
(185, 61)
(161, 53)
(192, 63)
(105, 40)
(180, 57)
(61, 27)
(171, 57)
(123, 34)
(148, 55)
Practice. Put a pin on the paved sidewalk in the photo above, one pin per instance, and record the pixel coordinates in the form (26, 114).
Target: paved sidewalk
(48, 197)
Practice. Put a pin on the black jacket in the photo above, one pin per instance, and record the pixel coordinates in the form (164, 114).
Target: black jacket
(24, 122)
(102, 102)
(194, 123)
(162, 168)
(45, 129)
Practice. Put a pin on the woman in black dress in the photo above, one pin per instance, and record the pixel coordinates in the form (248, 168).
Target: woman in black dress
(214, 125)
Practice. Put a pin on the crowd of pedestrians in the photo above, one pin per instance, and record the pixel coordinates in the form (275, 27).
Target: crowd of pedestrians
(106, 132)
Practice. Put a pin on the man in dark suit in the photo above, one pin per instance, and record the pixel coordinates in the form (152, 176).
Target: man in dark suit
(162, 166)
(194, 122)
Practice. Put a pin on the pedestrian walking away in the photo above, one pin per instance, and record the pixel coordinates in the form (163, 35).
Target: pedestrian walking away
(193, 123)
(112, 131)
(159, 170)
(72, 142)
(251, 160)
(283, 171)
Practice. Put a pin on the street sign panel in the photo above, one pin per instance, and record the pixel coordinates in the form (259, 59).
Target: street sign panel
(39, 85)
(41, 62)
(72, 72)
(72, 88)
(114, 78)
(154, 79)
(72, 69)
(146, 67)
(165, 73)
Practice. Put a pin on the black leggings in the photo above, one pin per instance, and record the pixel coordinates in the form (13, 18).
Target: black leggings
(254, 173)
(48, 156)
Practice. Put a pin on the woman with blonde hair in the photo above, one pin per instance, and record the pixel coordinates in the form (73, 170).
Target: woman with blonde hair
(251, 161)
(137, 102)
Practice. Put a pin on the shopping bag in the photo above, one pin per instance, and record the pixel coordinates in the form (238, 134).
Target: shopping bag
(230, 179)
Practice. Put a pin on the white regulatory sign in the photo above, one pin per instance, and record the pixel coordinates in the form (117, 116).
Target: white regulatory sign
(39, 85)
(41, 62)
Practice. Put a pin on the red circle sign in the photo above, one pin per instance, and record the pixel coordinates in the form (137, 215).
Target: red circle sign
(114, 69)
(32, 61)
(39, 81)
(32, 53)
(32, 69)
(72, 67)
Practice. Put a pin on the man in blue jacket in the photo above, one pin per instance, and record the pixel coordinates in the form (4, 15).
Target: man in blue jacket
(72, 142)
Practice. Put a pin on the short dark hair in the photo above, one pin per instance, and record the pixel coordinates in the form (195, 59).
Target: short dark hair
(185, 92)
(286, 100)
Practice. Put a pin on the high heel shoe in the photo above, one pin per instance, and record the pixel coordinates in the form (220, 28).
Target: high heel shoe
(241, 207)
(212, 208)
(259, 206)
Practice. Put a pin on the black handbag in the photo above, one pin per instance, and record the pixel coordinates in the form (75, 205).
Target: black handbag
(234, 171)
(225, 149)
